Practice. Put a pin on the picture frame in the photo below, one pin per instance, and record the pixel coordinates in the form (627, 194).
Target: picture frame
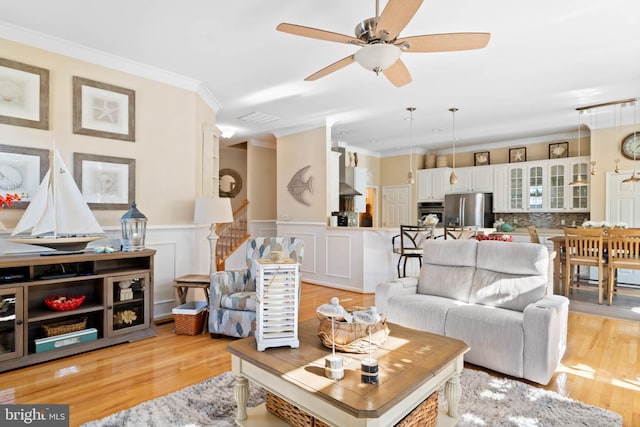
(558, 150)
(517, 155)
(481, 159)
(105, 182)
(24, 95)
(103, 110)
(21, 171)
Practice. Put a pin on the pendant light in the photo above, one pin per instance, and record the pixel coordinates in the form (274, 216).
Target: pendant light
(633, 178)
(410, 176)
(453, 179)
(579, 180)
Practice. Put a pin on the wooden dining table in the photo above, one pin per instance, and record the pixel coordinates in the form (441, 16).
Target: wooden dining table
(558, 263)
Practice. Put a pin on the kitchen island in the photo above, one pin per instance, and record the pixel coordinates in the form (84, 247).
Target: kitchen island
(350, 258)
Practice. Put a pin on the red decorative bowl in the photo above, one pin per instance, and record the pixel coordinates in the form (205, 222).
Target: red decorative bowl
(64, 303)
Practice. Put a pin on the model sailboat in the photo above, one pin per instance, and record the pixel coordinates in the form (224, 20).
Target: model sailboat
(58, 216)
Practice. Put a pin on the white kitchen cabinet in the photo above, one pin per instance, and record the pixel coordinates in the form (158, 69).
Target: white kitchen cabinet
(474, 179)
(360, 184)
(516, 192)
(578, 194)
(334, 183)
(501, 188)
(542, 186)
(433, 184)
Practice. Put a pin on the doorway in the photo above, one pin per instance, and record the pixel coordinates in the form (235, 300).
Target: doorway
(395, 205)
(623, 205)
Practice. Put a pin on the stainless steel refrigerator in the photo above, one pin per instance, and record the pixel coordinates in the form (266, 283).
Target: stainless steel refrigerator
(468, 210)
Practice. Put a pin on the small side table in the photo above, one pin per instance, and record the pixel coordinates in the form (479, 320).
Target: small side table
(196, 281)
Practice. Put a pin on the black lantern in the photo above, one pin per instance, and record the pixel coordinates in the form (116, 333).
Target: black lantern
(134, 228)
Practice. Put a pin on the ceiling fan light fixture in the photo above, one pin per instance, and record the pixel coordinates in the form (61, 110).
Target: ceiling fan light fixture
(377, 57)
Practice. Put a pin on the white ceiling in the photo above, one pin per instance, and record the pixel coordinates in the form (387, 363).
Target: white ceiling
(544, 59)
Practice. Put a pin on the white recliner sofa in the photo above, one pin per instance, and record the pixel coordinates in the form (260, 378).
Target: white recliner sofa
(491, 295)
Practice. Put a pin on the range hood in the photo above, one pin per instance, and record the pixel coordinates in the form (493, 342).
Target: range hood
(346, 189)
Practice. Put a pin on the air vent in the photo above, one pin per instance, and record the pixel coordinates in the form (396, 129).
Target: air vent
(259, 118)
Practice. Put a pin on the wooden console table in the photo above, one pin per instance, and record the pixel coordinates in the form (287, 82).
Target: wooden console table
(31, 332)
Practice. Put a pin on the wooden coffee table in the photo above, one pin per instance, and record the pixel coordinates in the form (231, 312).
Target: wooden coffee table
(413, 364)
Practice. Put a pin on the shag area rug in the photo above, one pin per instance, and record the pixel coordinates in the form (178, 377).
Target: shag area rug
(486, 401)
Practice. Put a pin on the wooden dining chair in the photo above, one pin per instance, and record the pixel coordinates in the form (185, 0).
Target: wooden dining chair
(533, 234)
(408, 244)
(583, 246)
(623, 246)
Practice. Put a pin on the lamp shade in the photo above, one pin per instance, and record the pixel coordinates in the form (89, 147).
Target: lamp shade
(214, 210)
(377, 57)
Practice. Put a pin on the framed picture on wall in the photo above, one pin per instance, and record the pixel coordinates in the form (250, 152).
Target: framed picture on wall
(21, 171)
(24, 95)
(103, 110)
(105, 182)
(517, 154)
(558, 150)
(481, 159)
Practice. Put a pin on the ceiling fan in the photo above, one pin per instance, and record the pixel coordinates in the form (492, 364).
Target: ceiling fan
(380, 45)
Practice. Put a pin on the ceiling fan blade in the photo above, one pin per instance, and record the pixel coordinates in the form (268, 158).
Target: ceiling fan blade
(445, 42)
(314, 33)
(331, 68)
(398, 74)
(395, 16)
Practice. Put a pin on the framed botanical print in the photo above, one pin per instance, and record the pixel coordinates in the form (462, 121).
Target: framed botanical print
(558, 150)
(103, 110)
(517, 154)
(24, 95)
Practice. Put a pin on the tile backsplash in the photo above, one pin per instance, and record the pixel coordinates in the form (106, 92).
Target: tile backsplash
(543, 219)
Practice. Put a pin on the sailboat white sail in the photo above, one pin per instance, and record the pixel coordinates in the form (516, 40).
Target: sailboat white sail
(59, 209)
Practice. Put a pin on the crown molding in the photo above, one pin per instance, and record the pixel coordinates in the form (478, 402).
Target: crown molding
(75, 50)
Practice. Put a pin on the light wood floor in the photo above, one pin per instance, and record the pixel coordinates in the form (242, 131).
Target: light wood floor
(601, 366)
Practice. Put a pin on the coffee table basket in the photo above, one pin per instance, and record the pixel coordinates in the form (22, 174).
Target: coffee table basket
(424, 415)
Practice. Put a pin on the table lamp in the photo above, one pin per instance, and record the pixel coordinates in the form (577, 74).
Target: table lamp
(213, 211)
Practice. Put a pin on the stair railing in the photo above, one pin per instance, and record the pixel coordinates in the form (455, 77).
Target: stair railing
(231, 235)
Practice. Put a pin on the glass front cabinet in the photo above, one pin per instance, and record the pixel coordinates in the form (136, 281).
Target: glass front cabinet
(11, 323)
(127, 305)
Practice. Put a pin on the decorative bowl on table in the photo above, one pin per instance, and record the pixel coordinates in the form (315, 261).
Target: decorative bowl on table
(64, 303)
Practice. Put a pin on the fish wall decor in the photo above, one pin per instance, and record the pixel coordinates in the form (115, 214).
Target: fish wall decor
(298, 186)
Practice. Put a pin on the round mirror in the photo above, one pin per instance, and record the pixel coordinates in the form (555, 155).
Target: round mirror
(230, 183)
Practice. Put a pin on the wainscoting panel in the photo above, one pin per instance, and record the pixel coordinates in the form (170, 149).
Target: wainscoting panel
(309, 261)
(339, 255)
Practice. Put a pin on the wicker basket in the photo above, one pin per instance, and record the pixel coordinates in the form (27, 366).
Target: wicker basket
(189, 318)
(353, 337)
(424, 415)
(290, 413)
(73, 325)
(189, 324)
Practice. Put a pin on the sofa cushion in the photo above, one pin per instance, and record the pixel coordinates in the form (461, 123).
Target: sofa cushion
(422, 312)
(509, 275)
(447, 268)
(496, 337)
